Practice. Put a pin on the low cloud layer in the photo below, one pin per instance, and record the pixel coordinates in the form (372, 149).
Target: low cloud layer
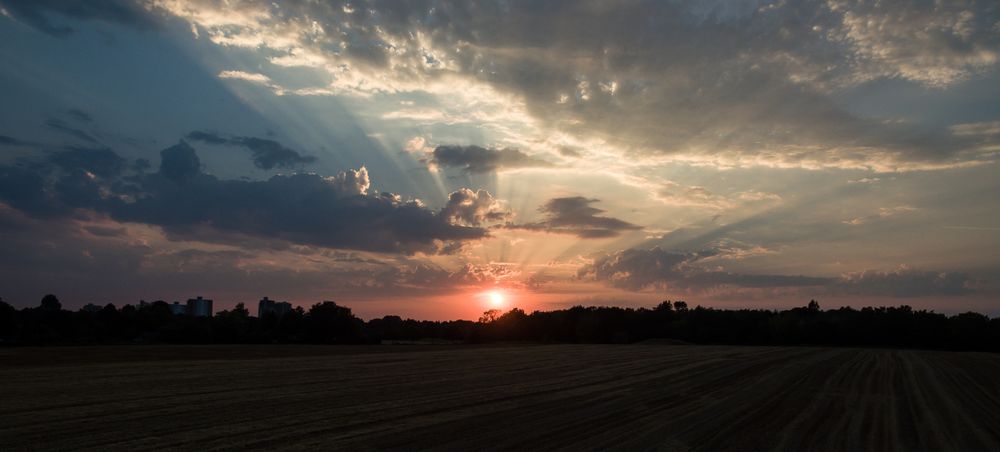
(697, 273)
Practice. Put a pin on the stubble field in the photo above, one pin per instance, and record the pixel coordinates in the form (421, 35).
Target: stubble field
(576, 397)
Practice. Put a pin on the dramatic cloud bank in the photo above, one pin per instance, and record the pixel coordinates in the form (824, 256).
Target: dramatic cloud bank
(334, 211)
(723, 84)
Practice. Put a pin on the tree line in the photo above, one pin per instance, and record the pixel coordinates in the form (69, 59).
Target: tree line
(330, 323)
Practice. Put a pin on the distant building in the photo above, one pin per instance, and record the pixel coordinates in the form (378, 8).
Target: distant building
(199, 307)
(278, 308)
(176, 308)
(90, 307)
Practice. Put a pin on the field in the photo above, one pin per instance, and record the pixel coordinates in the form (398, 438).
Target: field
(592, 397)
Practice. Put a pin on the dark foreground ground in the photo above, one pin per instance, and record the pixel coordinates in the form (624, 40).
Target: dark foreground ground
(591, 397)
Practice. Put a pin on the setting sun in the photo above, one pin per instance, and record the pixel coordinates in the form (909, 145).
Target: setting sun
(496, 298)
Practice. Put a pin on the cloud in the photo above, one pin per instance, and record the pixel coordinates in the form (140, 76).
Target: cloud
(308, 209)
(934, 44)
(24, 190)
(61, 181)
(638, 269)
(473, 208)
(255, 78)
(248, 76)
(428, 276)
(61, 126)
(476, 159)
(567, 151)
(676, 194)
(574, 215)
(206, 137)
(334, 212)
(883, 212)
(692, 272)
(736, 85)
(179, 162)
(984, 136)
(904, 282)
(103, 162)
(351, 182)
(985, 128)
(37, 13)
(11, 141)
(267, 154)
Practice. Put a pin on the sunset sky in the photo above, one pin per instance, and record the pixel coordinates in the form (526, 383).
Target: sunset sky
(419, 158)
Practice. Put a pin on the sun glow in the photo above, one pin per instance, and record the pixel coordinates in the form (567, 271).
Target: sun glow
(496, 298)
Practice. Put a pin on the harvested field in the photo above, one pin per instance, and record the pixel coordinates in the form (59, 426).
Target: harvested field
(593, 397)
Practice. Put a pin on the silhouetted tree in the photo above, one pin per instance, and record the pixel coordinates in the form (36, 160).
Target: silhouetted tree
(8, 322)
(50, 303)
(329, 323)
(490, 316)
(233, 325)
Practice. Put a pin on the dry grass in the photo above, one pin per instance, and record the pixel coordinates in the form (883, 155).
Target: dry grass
(472, 398)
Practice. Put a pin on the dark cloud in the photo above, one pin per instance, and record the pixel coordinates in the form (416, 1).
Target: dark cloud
(66, 180)
(694, 272)
(267, 154)
(38, 13)
(24, 189)
(904, 282)
(302, 208)
(475, 159)
(102, 162)
(308, 209)
(636, 269)
(179, 162)
(207, 137)
(574, 215)
(62, 127)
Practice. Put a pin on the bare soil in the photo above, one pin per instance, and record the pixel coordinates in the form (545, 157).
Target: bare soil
(577, 397)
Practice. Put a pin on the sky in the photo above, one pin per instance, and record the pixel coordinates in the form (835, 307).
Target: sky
(435, 159)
